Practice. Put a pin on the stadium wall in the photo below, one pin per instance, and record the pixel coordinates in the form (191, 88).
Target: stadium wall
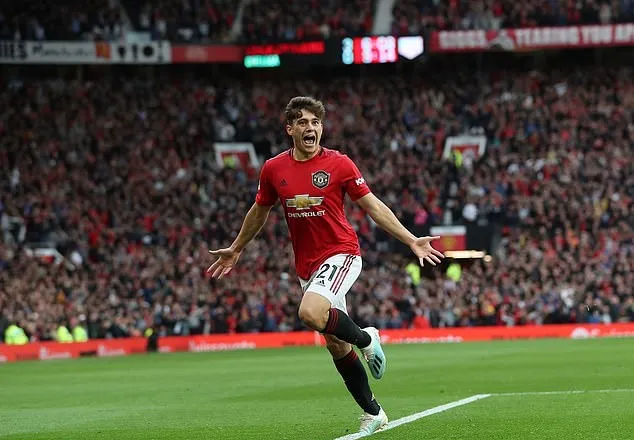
(250, 341)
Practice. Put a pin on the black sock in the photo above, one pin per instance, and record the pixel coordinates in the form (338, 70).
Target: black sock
(344, 328)
(356, 380)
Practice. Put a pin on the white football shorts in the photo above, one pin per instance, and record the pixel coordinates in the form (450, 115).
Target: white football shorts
(334, 278)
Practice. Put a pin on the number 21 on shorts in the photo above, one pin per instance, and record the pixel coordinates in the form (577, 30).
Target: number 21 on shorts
(336, 272)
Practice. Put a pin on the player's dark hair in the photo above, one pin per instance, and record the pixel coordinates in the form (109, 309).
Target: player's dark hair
(297, 104)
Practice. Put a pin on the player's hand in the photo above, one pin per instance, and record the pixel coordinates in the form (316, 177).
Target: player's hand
(425, 252)
(227, 258)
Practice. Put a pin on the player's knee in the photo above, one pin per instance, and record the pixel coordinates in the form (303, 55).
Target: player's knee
(313, 317)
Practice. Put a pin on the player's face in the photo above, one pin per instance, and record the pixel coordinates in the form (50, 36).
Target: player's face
(306, 133)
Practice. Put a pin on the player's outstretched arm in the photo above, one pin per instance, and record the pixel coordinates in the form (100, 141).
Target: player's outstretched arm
(228, 257)
(385, 218)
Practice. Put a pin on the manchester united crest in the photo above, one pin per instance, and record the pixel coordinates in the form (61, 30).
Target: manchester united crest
(321, 179)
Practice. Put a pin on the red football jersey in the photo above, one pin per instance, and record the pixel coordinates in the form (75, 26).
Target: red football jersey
(312, 193)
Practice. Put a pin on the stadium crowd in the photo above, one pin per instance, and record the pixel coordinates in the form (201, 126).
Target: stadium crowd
(184, 20)
(121, 176)
(411, 17)
(61, 20)
(282, 20)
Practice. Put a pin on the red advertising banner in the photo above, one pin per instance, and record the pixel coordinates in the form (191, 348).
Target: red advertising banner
(470, 334)
(251, 341)
(294, 48)
(210, 53)
(525, 39)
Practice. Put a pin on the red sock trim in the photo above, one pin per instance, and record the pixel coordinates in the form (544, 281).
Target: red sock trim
(333, 320)
(346, 360)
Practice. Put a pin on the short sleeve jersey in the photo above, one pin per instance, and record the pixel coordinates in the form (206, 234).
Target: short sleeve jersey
(312, 194)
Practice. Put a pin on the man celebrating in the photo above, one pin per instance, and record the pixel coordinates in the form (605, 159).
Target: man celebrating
(310, 181)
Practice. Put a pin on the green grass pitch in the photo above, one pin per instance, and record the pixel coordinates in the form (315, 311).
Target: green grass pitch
(296, 393)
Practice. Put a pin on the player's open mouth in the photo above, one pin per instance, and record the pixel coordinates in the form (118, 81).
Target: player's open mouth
(310, 139)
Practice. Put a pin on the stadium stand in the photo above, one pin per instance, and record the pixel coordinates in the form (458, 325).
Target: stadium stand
(280, 20)
(410, 17)
(120, 177)
(284, 20)
(60, 20)
(184, 20)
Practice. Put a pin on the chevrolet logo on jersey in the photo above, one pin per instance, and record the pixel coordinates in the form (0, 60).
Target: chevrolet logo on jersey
(303, 201)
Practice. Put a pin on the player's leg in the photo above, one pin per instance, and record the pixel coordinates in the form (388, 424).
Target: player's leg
(353, 373)
(350, 367)
(323, 308)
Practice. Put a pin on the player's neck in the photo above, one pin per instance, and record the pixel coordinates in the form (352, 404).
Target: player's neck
(303, 157)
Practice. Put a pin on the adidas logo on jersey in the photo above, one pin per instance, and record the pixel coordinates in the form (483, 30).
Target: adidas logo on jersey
(283, 182)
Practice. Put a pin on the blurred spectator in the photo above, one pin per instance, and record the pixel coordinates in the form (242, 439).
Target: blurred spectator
(14, 334)
(62, 334)
(78, 331)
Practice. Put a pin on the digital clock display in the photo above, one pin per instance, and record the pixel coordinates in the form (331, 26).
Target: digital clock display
(369, 50)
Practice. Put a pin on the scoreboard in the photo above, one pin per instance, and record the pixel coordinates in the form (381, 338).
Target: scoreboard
(333, 52)
(369, 50)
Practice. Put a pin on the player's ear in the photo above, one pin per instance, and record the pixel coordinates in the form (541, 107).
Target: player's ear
(289, 129)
